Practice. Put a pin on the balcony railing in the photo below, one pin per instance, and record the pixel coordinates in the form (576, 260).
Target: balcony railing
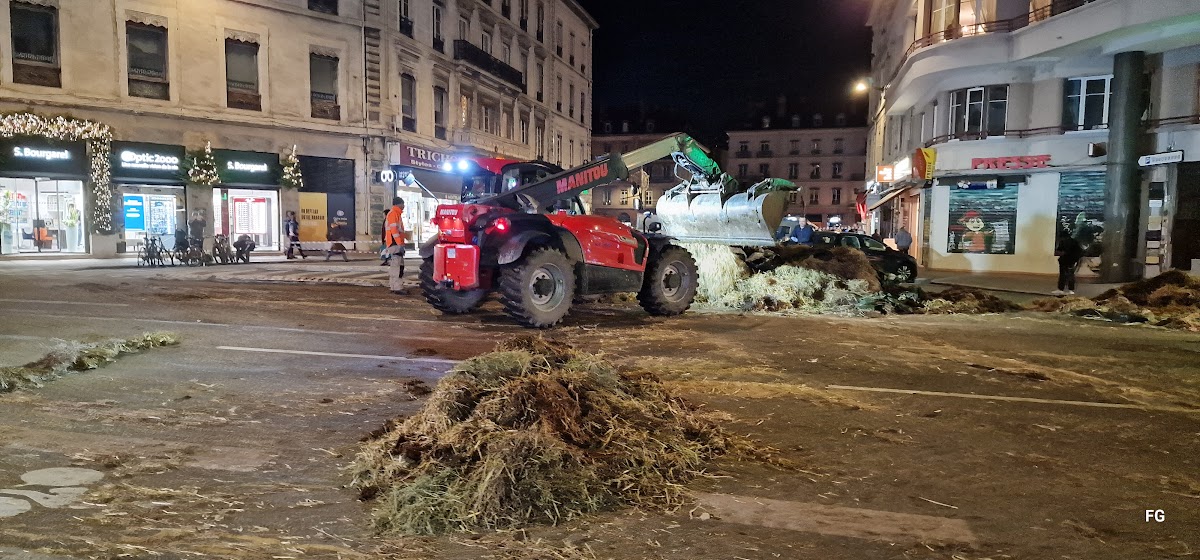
(439, 44)
(439, 132)
(238, 98)
(325, 108)
(742, 154)
(406, 26)
(37, 74)
(1022, 21)
(524, 24)
(465, 51)
(408, 123)
(764, 153)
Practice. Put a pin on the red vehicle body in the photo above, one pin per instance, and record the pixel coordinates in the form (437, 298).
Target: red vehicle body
(521, 232)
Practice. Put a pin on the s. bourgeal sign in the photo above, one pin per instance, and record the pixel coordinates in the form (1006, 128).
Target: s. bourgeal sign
(42, 154)
(247, 167)
(145, 160)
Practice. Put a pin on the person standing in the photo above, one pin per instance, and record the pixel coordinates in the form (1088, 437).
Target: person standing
(394, 230)
(903, 240)
(1069, 252)
(803, 232)
(291, 228)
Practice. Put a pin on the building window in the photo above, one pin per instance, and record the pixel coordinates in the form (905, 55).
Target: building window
(608, 197)
(241, 75)
(487, 118)
(839, 145)
(836, 196)
(764, 169)
(794, 147)
(583, 100)
(793, 171)
(648, 198)
(571, 49)
(840, 119)
(815, 173)
(323, 80)
(744, 147)
(440, 100)
(979, 110)
(570, 100)
(796, 121)
(818, 120)
(464, 29)
(35, 45)
(814, 196)
(408, 101)
(764, 147)
(571, 152)
(539, 138)
(404, 9)
(506, 54)
(324, 6)
(837, 170)
(743, 169)
(541, 81)
(559, 91)
(558, 38)
(485, 42)
(941, 16)
(816, 146)
(147, 61)
(558, 149)
(541, 22)
(1085, 102)
(436, 17)
(524, 131)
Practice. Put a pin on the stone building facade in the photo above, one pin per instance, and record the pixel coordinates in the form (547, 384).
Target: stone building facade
(826, 162)
(1031, 114)
(365, 90)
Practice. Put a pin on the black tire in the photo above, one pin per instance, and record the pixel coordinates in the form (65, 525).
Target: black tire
(537, 291)
(142, 259)
(905, 272)
(669, 284)
(450, 302)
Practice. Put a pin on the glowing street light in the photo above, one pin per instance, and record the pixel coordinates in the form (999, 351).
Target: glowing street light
(861, 86)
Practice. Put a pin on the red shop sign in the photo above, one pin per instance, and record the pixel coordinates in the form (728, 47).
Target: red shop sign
(1011, 162)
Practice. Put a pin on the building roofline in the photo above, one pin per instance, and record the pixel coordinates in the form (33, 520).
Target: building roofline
(798, 129)
(583, 14)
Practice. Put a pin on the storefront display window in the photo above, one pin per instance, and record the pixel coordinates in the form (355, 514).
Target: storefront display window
(42, 216)
(983, 218)
(248, 212)
(151, 211)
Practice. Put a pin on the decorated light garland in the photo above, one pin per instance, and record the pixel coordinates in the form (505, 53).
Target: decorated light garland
(204, 168)
(292, 179)
(99, 140)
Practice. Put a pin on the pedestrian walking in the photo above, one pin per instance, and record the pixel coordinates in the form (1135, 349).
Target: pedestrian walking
(291, 228)
(1069, 252)
(903, 240)
(394, 226)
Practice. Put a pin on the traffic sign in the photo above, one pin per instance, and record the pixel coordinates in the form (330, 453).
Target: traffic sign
(1161, 159)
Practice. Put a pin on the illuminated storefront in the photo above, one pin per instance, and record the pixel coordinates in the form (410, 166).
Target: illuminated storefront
(247, 200)
(150, 180)
(42, 204)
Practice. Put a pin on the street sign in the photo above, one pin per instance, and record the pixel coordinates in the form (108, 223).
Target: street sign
(1161, 159)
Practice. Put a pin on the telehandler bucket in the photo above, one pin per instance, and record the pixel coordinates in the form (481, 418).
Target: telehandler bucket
(747, 219)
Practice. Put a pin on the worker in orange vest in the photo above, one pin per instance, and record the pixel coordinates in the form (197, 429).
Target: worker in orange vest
(394, 232)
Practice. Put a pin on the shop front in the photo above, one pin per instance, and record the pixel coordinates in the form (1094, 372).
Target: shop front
(150, 179)
(327, 211)
(42, 204)
(246, 202)
(416, 166)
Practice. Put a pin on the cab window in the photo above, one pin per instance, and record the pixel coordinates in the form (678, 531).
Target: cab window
(873, 244)
(851, 241)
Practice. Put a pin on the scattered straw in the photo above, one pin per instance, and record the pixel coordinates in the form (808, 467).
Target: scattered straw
(76, 356)
(536, 432)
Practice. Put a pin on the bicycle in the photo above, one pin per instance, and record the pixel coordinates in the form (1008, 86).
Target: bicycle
(222, 252)
(152, 253)
(191, 251)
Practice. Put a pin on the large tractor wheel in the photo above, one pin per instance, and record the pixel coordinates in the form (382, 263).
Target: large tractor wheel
(451, 302)
(537, 290)
(669, 285)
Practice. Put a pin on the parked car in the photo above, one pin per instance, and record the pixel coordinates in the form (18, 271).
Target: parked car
(885, 259)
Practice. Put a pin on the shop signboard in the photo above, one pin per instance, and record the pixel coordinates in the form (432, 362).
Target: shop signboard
(884, 173)
(421, 157)
(314, 215)
(21, 156)
(143, 162)
(1161, 158)
(924, 161)
(238, 168)
(135, 212)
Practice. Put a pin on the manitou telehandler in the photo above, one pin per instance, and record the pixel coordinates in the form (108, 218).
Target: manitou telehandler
(521, 231)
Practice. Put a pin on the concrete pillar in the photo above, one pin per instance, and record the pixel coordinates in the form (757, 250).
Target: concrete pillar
(1122, 200)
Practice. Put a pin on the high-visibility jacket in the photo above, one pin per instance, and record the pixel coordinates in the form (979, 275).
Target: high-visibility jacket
(394, 226)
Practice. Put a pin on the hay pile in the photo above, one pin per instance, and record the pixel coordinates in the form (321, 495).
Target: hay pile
(961, 299)
(1171, 299)
(828, 281)
(76, 356)
(535, 433)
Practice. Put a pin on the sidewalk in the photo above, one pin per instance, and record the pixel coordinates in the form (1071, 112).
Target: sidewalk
(1030, 284)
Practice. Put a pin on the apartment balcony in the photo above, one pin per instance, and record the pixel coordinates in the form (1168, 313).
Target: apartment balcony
(524, 24)
(764, 153)
(406, 27)
(469, 53)
(742, 154)
(36, 74)
(487, 142)
(439, 45)
(242, 98)
(325, 107)
(439, 132)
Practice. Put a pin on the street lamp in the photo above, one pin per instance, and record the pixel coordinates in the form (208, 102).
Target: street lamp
(861, 86)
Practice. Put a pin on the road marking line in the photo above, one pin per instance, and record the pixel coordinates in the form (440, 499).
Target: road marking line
(337, 354)
(1013, 399)
(840, 521)
(56, 302)
(263, 327)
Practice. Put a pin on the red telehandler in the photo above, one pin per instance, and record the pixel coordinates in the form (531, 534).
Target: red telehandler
(521, 231)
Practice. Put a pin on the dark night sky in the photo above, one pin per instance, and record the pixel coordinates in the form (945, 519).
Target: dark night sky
(709, 59)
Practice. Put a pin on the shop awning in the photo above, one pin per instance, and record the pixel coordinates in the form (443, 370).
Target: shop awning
(888, 196)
